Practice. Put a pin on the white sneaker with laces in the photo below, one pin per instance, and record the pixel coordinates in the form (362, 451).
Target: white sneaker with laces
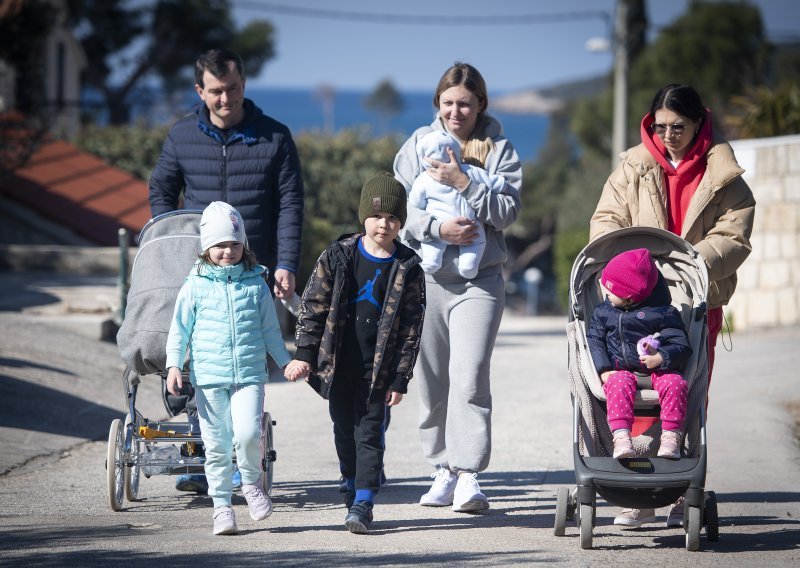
(224, 521)
(441, 492)
(468, 497)
(258, 503)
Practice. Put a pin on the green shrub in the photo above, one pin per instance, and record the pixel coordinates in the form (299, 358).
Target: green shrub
(567, 246)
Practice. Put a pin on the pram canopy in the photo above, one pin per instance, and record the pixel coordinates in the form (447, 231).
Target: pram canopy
(168, 246)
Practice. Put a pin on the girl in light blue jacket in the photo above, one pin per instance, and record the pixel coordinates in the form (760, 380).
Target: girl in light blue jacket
(226, 317)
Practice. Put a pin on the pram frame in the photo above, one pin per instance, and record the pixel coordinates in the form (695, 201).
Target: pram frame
(643, 481)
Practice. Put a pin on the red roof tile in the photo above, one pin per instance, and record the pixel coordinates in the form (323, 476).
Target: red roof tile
(81, 192)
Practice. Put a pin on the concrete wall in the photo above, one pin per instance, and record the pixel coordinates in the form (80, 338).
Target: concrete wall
(768, 294)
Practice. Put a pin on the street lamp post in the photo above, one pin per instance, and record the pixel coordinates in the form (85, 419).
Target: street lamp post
(620, 46)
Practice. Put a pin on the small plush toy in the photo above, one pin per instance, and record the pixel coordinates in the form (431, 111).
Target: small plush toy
(648, 345)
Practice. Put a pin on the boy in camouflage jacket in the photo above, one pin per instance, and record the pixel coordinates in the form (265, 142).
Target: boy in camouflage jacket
(358, 335)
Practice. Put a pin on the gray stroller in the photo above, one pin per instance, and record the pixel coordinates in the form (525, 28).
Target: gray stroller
(168, 247)
(644, 481)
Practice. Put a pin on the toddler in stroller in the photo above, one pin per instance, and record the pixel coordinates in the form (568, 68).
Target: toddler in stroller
(635, 332)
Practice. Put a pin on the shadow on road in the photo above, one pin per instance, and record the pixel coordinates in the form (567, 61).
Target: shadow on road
(28, 406)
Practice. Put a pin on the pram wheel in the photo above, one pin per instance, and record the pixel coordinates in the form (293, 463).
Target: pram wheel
(132, 473)
(268, 452)
(114, 466)
(692, 524)
(711, 517)
(586, 520)
(565, 510)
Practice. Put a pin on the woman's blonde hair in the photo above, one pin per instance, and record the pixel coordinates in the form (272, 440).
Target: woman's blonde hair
(476, 149)
(463, 75)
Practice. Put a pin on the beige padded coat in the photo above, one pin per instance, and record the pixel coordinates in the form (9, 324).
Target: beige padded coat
(718, 222)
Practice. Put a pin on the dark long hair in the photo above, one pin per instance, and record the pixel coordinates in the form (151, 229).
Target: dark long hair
(682, 99)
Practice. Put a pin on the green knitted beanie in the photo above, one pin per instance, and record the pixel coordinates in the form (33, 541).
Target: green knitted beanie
(383, 194)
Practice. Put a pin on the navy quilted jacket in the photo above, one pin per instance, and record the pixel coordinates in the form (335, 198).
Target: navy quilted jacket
(257, 170)
(614, 332)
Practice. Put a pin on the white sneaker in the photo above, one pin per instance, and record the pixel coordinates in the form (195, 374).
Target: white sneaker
(468, 497)
(224, 521)
(257, 502)
(441, 492)
(635, 517)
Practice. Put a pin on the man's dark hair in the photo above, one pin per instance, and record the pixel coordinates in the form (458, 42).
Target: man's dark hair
(216, 62)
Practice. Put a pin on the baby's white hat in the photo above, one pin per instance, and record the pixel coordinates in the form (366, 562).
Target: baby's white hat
(221, 223)
(434, 145)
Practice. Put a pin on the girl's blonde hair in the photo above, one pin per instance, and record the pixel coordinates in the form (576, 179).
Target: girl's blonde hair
(475, 150)
(248, 257)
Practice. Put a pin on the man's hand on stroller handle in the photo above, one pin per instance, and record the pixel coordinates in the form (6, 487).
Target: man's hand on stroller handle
(174, 381)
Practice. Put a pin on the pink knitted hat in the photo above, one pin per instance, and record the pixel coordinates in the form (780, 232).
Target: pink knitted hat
(631, 275)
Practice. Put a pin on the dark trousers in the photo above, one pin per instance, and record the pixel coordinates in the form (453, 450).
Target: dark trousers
(358, 430)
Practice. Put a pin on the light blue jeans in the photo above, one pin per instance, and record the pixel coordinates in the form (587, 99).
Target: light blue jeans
(230, 418)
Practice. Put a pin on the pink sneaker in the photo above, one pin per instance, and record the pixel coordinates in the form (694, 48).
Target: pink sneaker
(623, 446)
(670, 444)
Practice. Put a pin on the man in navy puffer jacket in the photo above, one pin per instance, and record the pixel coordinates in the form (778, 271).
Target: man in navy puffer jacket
(229, 150)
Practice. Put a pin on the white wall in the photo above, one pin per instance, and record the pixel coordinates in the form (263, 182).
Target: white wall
(768, 294)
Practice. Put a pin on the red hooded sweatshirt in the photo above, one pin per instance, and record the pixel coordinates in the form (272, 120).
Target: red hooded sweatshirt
(681, 182)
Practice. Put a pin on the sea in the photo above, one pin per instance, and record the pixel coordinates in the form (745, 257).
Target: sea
(304, 110)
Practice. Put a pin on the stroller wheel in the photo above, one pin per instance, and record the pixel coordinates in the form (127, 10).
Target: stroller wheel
(267, 452)
(562, 504)
(586, 521)
(114, 467)
(132, 473)
(711, 517)
(691, 523)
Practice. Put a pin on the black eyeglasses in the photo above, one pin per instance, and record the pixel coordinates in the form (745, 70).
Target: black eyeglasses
(677, 129)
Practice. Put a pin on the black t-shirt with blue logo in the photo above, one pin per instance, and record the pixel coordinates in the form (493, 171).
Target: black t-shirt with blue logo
(370, 280)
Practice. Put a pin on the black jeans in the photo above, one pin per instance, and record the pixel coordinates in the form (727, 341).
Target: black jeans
(358, 429)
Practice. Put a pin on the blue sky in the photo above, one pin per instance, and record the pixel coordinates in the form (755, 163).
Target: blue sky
(348, 54)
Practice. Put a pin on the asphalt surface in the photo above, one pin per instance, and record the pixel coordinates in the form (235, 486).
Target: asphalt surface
(60, 388)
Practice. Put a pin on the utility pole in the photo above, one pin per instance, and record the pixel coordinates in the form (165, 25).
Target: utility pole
(620, 44)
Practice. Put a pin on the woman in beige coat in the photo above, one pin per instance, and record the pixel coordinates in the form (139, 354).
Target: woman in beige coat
(683, 178)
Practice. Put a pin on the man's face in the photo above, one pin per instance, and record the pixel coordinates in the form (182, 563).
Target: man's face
(224, 97)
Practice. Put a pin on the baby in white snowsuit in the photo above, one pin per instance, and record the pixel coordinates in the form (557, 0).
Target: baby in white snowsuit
(445, 202)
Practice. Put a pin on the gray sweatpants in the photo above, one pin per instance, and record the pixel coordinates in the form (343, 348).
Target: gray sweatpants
(455, 414)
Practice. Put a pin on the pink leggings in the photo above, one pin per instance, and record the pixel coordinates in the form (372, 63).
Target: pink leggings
(672, 395)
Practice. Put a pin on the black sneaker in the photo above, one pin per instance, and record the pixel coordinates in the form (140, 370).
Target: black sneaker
(359, 518)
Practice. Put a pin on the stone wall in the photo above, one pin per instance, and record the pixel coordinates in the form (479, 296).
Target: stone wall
(768, 294)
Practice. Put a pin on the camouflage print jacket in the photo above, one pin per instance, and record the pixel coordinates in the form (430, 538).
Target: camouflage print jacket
(323, 314)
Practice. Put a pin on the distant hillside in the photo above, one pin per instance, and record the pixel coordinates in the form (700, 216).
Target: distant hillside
(549, 99)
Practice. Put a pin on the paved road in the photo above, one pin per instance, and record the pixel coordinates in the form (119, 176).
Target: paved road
(60, 389)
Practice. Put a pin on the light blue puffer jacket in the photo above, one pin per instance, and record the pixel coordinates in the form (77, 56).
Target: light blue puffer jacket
(226, 316)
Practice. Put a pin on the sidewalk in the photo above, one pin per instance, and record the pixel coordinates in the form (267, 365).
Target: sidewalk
(754, 462)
